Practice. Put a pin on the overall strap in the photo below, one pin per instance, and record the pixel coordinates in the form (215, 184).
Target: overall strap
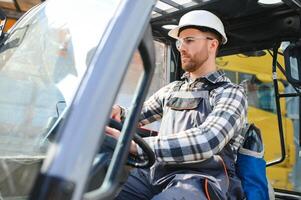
(209, 86)
(178, 86)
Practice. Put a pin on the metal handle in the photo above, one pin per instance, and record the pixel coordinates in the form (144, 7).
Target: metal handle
(110, 184)
(3, 22)
(277, 99)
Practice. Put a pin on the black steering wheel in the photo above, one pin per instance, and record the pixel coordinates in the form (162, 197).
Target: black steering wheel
(103, 158)
(110, 144)
(132, 159)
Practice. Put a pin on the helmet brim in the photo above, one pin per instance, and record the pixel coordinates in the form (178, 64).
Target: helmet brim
(174, 33)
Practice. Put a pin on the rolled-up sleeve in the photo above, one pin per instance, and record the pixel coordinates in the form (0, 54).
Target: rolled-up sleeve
(226, 119)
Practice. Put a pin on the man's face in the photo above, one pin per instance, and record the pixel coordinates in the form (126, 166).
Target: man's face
(193, 47)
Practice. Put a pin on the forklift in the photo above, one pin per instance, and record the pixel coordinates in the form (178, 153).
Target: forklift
(64, 64)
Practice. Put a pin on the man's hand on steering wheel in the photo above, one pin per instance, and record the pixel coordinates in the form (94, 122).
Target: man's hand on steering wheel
(116, 113)
(116, 133)
(113, 132)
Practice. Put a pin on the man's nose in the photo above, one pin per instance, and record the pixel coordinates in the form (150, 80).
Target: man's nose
(182, 49)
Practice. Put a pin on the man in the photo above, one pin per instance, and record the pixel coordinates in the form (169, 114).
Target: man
(202, 119)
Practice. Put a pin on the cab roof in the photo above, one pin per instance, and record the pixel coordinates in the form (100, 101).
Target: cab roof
(250, 25)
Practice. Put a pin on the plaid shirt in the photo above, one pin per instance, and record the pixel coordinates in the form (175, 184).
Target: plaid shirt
(223, 125)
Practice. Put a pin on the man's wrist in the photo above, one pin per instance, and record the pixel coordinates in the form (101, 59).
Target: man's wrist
(122, 113)
(134, 148)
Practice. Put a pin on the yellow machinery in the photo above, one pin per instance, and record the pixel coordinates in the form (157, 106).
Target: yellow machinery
(14, 9)
(256, 73)
(9, 24)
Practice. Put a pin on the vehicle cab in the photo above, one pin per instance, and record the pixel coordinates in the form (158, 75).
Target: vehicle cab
(65, 63)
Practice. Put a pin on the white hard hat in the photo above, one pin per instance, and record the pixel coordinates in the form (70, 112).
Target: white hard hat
(200, 18)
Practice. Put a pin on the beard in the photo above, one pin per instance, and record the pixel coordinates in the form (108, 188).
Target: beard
(188, 64)
(191, 63)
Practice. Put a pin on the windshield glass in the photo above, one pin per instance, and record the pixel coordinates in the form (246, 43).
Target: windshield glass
(42, 62)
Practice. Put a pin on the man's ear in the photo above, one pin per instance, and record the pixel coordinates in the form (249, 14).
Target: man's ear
(213, 45)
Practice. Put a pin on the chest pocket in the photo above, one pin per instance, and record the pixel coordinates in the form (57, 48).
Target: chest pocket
(184, 100)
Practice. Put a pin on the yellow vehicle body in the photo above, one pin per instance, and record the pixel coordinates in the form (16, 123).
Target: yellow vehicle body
(260, 67)
(9, 23)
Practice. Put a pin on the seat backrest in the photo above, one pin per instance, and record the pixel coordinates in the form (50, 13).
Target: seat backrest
(251, 167)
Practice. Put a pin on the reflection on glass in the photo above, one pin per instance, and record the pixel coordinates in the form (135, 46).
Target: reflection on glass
(42, 62)
(294, 68)
(134, 73)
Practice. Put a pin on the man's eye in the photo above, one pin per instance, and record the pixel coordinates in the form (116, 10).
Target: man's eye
(188, 40)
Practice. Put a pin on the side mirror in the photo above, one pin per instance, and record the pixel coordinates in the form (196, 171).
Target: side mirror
(2, 22)
(292, 57)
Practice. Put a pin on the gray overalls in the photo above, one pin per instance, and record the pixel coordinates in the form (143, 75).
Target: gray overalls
(214, 178)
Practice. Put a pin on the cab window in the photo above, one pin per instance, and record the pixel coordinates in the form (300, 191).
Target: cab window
(260, 94)
(134, 73)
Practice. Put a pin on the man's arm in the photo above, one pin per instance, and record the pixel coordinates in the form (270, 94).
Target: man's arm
(152, 109)
(226, 119)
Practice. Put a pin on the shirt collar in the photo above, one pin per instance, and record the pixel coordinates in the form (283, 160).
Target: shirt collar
(213, 77)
